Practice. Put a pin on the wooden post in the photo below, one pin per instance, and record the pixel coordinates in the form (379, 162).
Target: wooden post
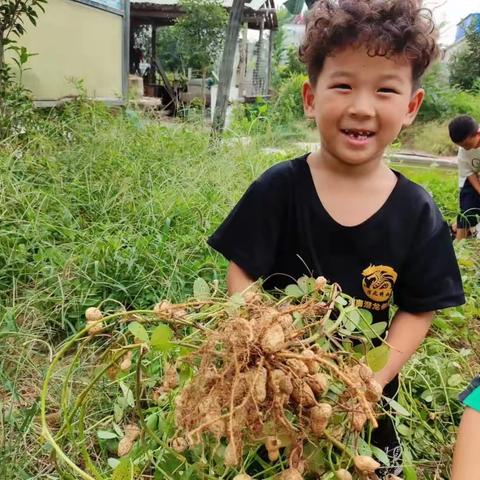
(226, 67)
(242, 69)
(269, 64)
(2, 58)
(154, 54)
(258, 75)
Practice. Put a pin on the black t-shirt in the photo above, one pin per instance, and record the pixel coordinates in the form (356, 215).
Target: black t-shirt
(280, 231)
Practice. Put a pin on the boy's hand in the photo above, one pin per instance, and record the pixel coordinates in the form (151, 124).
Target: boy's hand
(237, 280)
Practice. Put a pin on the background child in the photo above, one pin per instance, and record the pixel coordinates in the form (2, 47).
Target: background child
(465, 132)
(466, 460)
(341, 212)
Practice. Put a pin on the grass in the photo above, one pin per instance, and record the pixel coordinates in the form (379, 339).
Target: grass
(115, 208)
(431, 137)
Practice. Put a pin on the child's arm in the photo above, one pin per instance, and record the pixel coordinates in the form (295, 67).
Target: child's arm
(474, 182)
(466, 461)
(237, 279)
(406, 333)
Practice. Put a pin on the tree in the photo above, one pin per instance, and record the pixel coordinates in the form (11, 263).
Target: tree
(196, 37)
(15, 104)
(13, 14)
(465, 66)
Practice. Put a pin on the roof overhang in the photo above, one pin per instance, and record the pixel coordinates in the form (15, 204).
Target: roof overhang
(164, 12)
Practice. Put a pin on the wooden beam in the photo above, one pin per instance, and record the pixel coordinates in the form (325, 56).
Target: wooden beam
(268, 82)
(226, 67)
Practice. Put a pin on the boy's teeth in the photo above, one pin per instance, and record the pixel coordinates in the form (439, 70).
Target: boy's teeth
(359, 134)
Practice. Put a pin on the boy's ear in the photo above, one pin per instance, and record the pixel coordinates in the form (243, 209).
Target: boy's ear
(414, 106)
(308, 100)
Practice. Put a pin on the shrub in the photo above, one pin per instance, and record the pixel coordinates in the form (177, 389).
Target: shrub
(289, 104)
(465, 65)
(429, 137)
(438, 96)
(284, 110)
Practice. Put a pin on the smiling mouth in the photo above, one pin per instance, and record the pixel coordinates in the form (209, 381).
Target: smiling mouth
(358, 134)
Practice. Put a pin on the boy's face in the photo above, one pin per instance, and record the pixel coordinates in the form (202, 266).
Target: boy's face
(471, 142)
(360, 104)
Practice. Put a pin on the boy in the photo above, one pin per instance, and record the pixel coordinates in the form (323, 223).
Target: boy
(464, 131)
(341, 212)
(466, 461)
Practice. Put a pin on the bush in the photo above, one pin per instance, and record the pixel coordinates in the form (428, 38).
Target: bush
(289, 103)
(429, 137)
(263, 115)
(466, 103)
(438, 96)
(465, 65)
(442, 101)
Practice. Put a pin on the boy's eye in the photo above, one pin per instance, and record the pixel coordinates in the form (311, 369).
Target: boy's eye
(386, 90)
(342, 86)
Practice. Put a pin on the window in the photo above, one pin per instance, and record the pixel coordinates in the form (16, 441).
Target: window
(114, 6)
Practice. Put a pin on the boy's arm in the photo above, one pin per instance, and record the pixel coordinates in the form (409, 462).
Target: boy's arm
(406, 333)
(466, 459)
(474, 182)
(237, 279)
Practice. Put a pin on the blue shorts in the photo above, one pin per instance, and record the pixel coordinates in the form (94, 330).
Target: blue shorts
(471, 396)
(469, 206)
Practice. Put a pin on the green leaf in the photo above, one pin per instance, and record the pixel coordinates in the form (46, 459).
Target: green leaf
(201, 290)
(307, 284)
(351, 319)
(235, 302)
(186, 372)
(152, 421)
(113, 463)
(365, 322)
(127, 396)
(403, 430)
(161, 338)
(294, 291)
(441, 324)
(408, 468)
(117, 412)
(366, 315)
(105, 435)
(341, 301)
(364, 448)
(427, 396)
(378, 357)
(455, 380)
(124, 470)
(380, 455)
(138, 331)
(375, 330)
(397, 407)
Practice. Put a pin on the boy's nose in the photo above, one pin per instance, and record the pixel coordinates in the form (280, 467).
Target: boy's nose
(361, 106)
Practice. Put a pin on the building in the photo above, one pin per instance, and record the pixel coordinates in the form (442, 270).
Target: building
(460, 41)
(78, 41)
(252, 64)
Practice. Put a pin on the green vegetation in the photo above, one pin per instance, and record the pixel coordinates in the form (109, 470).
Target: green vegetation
(442, 103)
(465, 65)
(196, 38)
(15, 104)
(111, 208)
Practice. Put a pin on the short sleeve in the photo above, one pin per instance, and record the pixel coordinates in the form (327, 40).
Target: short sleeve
(250, 236)
(430, 278)
(465, 166)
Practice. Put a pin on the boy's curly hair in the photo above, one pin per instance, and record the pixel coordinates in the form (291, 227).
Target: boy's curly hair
(387, 28)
